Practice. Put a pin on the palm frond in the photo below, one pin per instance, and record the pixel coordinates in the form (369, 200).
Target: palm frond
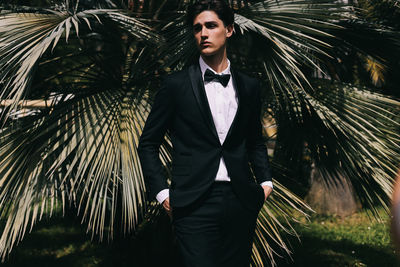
(25, 37)
(354, 133)
(276, 217)
(83, 153)
(294, 32)
(84, 143)
(376, 71)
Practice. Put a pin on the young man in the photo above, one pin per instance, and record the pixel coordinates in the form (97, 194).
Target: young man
(213, 114)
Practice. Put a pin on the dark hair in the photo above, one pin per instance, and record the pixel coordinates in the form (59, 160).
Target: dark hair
(220, 7)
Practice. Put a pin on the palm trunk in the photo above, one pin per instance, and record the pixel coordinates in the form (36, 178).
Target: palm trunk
(335, 198)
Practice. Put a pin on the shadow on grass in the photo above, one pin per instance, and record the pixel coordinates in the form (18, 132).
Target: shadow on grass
(316, 252)
(63, 242)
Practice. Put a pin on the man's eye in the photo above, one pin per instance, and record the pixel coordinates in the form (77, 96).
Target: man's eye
(196, 29)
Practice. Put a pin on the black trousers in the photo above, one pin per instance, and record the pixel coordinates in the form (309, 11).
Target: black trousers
(216, 231)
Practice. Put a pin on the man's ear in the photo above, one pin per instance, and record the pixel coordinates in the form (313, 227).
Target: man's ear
(229, 30)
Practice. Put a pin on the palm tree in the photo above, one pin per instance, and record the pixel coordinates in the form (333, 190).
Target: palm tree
(98, 66)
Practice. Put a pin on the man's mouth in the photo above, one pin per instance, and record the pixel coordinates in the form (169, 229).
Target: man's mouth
(205, 43)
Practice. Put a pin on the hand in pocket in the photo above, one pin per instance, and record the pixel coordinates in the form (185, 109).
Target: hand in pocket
(167, 207)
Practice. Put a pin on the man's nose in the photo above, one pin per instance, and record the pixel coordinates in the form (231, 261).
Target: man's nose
(204, 32)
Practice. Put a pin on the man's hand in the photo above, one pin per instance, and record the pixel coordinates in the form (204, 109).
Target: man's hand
(267, 191)
(167, 207)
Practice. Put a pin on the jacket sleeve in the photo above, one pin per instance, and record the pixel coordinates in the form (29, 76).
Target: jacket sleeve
(256, 148)
(150, 141)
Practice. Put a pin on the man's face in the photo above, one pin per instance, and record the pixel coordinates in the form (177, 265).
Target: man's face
(210, 33)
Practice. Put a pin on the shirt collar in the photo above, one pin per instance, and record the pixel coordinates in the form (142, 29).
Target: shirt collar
(204, 67)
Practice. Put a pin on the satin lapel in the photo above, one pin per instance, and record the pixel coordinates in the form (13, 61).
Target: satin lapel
(201, 97)
(237, 85)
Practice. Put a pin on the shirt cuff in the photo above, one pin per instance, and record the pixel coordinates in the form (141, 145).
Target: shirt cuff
(162, 195)
(268, 183)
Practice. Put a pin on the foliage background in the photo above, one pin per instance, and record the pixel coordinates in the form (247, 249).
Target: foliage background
(329, 72)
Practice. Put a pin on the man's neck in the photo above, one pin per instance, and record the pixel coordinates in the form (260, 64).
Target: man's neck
(217, 62)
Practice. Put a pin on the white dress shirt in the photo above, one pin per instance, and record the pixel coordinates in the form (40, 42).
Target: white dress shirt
(223, 104)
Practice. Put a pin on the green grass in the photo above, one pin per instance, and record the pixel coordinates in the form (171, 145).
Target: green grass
(325, 241)
(356, 240)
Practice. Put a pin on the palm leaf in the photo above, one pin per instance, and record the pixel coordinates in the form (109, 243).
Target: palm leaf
(352, 133)
(90, 130)
(25, 37)
(276, 217)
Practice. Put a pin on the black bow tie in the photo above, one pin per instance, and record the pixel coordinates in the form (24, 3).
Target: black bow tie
(211, 76)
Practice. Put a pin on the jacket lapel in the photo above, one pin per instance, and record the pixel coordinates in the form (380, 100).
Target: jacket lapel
(237, 85)
(201, 97)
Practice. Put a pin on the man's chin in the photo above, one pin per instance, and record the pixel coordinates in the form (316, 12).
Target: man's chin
(207, 53)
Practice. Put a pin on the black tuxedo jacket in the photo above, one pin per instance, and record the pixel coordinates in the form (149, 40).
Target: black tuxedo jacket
(181, 106)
